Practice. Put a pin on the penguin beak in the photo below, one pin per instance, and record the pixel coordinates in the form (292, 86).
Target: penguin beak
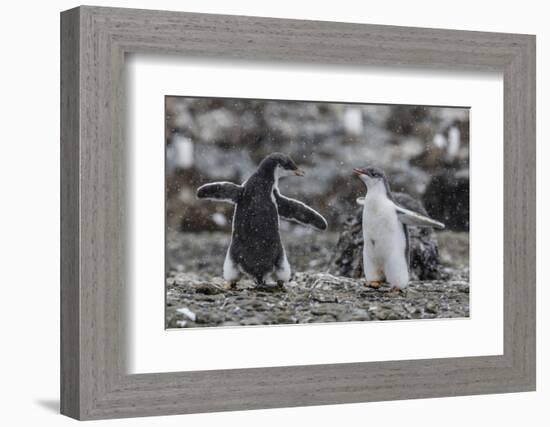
(360, 172)
(299, 172)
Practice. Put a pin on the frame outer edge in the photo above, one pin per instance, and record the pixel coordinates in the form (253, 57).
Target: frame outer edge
(520, 215)
(532, 137)
(70, 396)
(527, 79)
(90, 365)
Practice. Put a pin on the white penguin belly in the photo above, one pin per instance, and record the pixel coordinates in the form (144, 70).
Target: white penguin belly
(384, 242)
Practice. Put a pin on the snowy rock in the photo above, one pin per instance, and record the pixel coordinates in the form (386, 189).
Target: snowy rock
(447, 199)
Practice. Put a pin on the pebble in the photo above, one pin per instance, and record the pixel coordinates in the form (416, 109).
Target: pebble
(432, 307)
(208, 289)
(324, 297)
(382, 314)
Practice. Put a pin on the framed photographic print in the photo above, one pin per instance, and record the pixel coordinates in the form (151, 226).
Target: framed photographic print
(262, 213)
(420, 150)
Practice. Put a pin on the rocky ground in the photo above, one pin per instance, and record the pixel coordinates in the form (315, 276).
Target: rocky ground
(196, 297)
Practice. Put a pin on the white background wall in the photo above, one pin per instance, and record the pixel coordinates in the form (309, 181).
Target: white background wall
(29, 224)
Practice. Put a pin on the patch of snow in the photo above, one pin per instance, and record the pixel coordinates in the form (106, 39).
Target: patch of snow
(353, 121)
(219, 219)
(179, 154)
(439, 141)
(187, 313)
(454, 142)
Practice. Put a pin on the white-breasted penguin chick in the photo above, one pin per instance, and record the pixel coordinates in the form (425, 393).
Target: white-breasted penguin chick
(256, 247)
(385, 234)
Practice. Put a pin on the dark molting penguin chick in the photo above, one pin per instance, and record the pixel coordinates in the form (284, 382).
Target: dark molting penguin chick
(256, 247)
(385, 234)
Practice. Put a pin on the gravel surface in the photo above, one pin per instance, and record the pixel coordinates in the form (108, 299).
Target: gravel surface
(196, 296)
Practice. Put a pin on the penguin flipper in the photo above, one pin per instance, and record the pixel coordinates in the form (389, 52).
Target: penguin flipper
(409, 217)
(220, 191)
(294, 210)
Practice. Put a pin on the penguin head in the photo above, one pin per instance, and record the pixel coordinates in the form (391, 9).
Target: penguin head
(371, 176)
(281, 165)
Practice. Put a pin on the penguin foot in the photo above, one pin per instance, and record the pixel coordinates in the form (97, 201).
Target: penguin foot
(395, 290)
(374, 284)
(281, 285)
(230, 285)
(264, 287)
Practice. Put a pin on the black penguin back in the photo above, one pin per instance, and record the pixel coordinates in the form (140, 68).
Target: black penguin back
(256, 243)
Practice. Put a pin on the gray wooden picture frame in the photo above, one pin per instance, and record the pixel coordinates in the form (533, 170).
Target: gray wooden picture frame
(94, 41)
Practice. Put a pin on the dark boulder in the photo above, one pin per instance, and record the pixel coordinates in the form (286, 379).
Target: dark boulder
(424, 252)
(447, 199)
